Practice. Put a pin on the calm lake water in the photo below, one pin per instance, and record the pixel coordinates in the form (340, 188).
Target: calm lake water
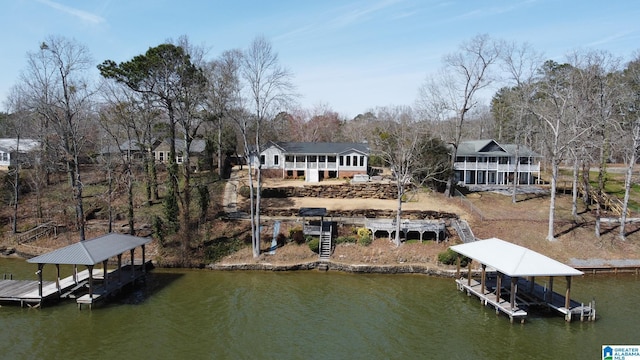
(311, 315)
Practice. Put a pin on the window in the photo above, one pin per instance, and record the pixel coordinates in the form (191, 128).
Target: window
(5, 156)
(288, 158)
(332, 159)
(262, 159)
(276, 160)
(161, 156)
(322, 158)
(361, 160)
(341, 160)
(348, 160)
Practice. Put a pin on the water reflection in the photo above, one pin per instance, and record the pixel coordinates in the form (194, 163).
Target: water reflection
(276, 315)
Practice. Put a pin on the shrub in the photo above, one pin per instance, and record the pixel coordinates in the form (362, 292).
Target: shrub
(365, 240)
(346, 239)
(450, 257)
(281, 239)
(296, 235)
(364, 236)
(314, 245)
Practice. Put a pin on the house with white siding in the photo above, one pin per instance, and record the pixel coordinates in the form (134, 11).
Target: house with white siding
(313, 161)
(12, 150)
(485, 162)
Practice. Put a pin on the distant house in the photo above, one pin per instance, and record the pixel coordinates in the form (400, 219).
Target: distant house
(128, 148)
(485, 162)
(313, 160)
(197, 151)
(12, 150)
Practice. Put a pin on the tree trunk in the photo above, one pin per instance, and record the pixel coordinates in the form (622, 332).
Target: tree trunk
(552, 202)
(399, 212)
(574, 189)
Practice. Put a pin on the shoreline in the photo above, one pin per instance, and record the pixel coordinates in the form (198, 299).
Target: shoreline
(588, 267)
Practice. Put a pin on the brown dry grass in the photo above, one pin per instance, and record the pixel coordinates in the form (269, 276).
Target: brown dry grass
(489, 215)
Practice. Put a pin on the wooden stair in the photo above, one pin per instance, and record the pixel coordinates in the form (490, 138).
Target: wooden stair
(464, 231)
(325, 244)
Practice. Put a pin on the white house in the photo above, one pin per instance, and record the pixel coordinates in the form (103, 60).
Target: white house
(11, 148)
(485, 162)
(313, 160)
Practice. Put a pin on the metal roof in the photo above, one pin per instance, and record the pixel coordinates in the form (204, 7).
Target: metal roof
(25, 145)
(492, 148)
(91, 252)
(312, 211)
(513, 260)
(321, 148)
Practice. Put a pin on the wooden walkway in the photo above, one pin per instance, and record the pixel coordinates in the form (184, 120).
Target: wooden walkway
(489, 298)
(113, 284)
(27, 292)
(528, 295)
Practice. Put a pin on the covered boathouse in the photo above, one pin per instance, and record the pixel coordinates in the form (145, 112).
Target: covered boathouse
(88, 286)
(507, 280)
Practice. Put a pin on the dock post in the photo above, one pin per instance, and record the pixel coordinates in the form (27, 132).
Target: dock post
(498, 286)
(39, 272)
(483, 279)
(567, 299)
(513, 292)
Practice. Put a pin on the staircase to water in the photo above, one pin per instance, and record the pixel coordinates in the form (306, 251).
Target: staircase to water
(325, 244)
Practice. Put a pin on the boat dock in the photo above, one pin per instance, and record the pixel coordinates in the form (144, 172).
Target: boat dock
(27, 292)
(512, 310)
(88, 286)
(518, 267)
(115, 281)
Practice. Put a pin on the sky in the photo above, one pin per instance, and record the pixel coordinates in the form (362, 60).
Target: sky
(348, 55)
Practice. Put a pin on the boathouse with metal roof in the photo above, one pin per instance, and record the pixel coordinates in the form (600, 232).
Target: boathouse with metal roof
(88, 253)
(504, 261)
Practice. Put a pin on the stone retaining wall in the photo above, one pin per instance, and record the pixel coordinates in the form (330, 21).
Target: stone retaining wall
(342, 191)
(352, 268)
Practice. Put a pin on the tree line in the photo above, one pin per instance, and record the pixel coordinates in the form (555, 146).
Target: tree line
(582, 112)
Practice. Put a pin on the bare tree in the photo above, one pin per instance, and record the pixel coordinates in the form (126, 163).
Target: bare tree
(223, 94)
(57, 90)
(268, 91)
(17, 125)
(453, 93)
(521, 63)
(397, 140)
(407, 148)
(630, 121)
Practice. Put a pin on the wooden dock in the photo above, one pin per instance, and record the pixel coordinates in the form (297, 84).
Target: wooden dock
(115, 281)
(513, 311)
(527, 296)
(27, 292)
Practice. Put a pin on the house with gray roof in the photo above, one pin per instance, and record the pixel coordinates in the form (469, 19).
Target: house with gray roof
(485, 162)
(13, 149)
(313, 161)
(196, 151)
